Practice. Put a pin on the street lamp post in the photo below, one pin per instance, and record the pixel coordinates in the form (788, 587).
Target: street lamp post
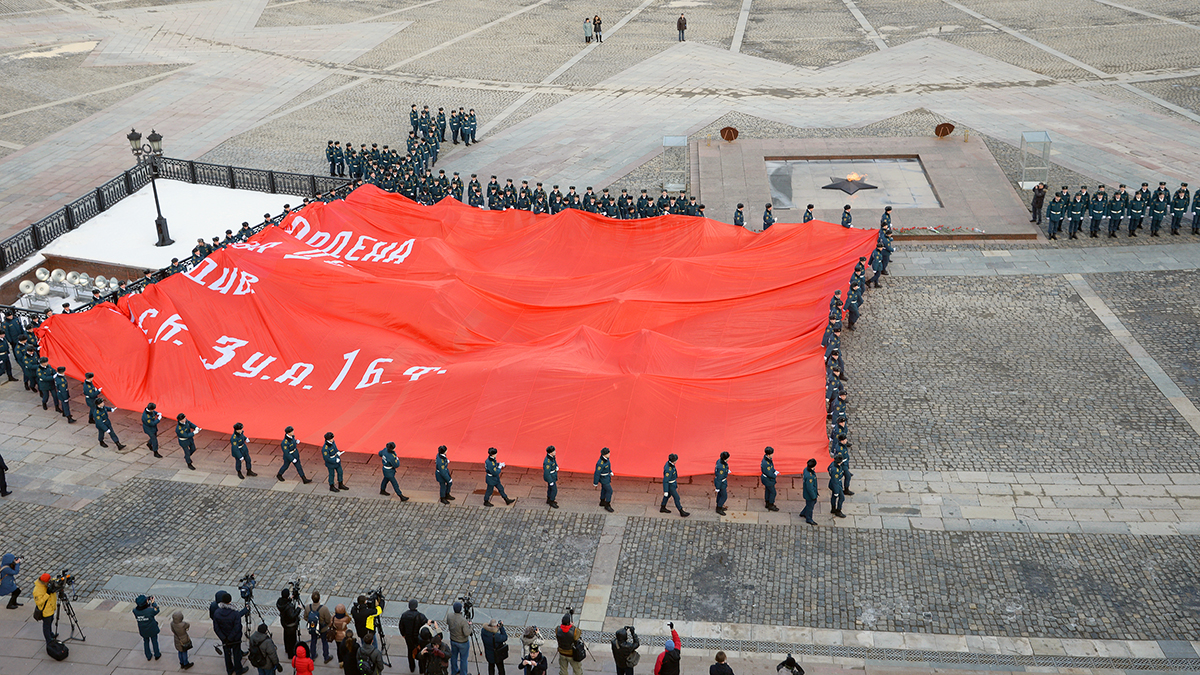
(150, 154)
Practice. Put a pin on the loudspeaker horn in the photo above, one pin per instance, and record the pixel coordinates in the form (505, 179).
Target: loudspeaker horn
(58, 276)
(26, 287)
(73, 278)
(100, 282)
(42, 274)
(42, 288)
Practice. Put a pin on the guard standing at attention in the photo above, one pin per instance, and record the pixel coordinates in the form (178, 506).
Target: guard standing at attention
(240, 451)
(721, 482)
(769, 475)
(846, 217)
(1158, 210)
(441, 472)
(1097, 209)
(808, 214)
(333, 462)
(1137, 210)
(768, 218)
(390, 462)
(185, 433)
(1179, 206)
(493, 467)
(671, 482)
(291, 456)
(739, 217)
(550, 475)
(603, 478)
(836, 475)
(150, 420)
(1055, 211)
(1117, 205)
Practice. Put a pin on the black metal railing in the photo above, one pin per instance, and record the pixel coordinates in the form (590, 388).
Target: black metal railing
(35, 237)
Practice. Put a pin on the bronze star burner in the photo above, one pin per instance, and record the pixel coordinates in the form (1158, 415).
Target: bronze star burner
(850, 184)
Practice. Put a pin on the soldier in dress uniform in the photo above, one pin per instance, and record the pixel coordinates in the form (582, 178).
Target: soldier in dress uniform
(721, 482)
(671, 486)
(768, 478)
(603, 478)
(441, 472)
(492, 467)
(550, 475)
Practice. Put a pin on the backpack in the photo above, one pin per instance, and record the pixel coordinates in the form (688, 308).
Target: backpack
(256, 657)
(366, 666)
(314, 619)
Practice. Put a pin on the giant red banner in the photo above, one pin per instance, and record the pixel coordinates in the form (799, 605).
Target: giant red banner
(383, 320)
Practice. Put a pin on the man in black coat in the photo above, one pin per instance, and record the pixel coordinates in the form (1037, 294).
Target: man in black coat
(289, 618)
(1039, 198)
(227, 624)
(410, 628)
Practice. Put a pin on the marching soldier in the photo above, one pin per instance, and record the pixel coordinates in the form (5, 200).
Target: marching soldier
(550, 475)
(1117, 205)
(5, 364)
(721, 482)
(414, 118)
(441, 472)
(808, 214)
(441, 126)
(27, 359)
(331, 158)
(811, 493)
(840, 447)
(185, 433)
(469, 128)
(46, 384)
(769, 475)
(603, 478)
(853, 302)
(846, 217)
(103, 424)
(1137, 210)
(768, 217)
(1179, 206)
(389, 460)
(1196, 215)
(739, 218)
(63, 389)
(291, 456)
(671, 486)
(333, 462)
(493, 467)
(240, 451)
(836, 476)
(150, 420)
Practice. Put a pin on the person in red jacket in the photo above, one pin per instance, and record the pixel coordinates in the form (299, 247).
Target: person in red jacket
(301, 662)
(668, 660)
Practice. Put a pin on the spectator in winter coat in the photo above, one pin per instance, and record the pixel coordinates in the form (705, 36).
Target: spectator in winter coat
(494, 635)
(10, 566)
(532, 637)
(46, 604)
(340, 621)
(350, 646)
(227, 624)
(410, 629)
(435, 656)
(369, 653)
(263, 653)
(720, 667)
(668, 660)
(534, 663)
(566, 635)
(183, 641)
(301, 662)
(623, 644)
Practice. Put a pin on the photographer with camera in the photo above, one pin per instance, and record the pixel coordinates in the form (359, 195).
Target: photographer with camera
(570, 647)
(45, 603)
(495, 646)
(668, 660)
(434, 655)
(410, 629)
(364, 608)
(289, 608)
(535, 663)
(145, 611)
(624, 649)
(10, 566)
(228, 628)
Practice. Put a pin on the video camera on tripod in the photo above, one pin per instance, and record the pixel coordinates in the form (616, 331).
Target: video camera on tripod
(60, 583)
(246, 586)
(468, 607)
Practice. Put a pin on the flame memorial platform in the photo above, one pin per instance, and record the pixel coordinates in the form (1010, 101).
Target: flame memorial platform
(949, 184)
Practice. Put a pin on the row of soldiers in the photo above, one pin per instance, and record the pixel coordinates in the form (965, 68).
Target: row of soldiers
(423, 144)
(1096, 207)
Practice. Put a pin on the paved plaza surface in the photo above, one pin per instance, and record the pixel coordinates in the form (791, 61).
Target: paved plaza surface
(1024, 413)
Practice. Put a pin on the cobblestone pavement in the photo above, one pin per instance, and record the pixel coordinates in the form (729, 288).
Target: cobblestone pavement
(1093, 586)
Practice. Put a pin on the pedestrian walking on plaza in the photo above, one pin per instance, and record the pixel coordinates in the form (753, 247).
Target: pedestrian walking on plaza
(10, 567)
(103, 424)
(769, 475)
(289, 620)
(768, 217)
(291, 456)
(460, 636)
(721, 482)
(1039, 197)
(588, 33)
(668, 660)
(671, 486)
(492, 467)
(150, 419)
(240, 451)
(681, 26)
(183, 642)
(597, 27)
(603, 478)
(146, 611)
(262, 652)
(550, 475)
(390, 462)
(720, 667)
(624, 645)
(185, 433)
(411, 622)
(319, 621)
(495, 646)
(809, 478)
(566, 635)
(333, 462)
